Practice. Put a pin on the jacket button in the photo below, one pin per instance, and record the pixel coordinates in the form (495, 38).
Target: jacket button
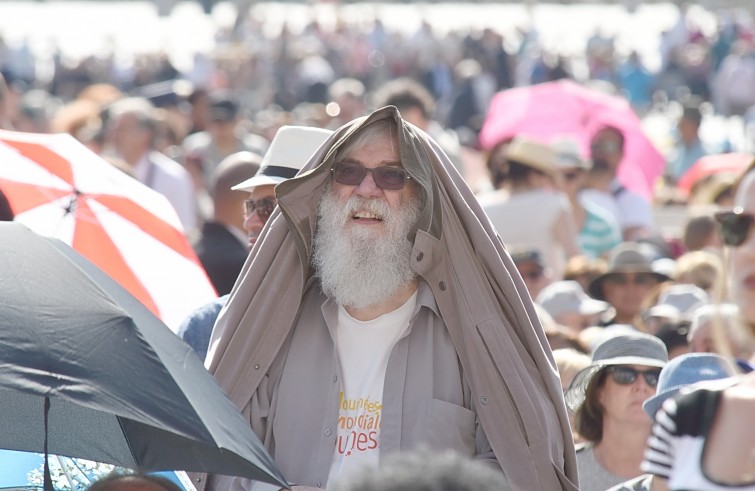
(335, 378)
(442, 285)
(484, 400)
(317, 484)
(327, 432)
(420, 256)
(256, 367)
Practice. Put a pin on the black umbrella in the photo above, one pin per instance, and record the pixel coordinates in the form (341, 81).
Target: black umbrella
(87, 371)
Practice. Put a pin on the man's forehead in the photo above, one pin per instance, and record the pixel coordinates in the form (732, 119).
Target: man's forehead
(264, 191)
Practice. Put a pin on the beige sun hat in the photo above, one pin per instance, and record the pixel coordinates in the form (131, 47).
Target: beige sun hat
(291, 148)
(533, 154)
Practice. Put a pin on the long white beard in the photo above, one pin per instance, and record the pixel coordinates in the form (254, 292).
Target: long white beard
(358, 266)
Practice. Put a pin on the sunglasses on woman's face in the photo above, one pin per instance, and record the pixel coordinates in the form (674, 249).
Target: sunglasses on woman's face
(389, 177)
(736, 226)
(264, 207)
(627, 375)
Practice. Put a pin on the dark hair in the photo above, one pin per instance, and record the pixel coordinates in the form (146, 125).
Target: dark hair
(114, 478)
(614, 130)
(674, 334)
(697, 230)
(6, 211)
(406, 93)
(691, 112)
(517, 172)
(588, 421)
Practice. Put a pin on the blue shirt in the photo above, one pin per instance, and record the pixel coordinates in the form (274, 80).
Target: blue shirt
(196, 329)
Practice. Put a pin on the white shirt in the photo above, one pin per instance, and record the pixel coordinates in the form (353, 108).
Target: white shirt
(363, 349)
(173, 181)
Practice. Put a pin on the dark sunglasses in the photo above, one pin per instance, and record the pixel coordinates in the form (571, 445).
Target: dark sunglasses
(571, 175)
(535, 274)
(736, 226)
(387, 177)
(627, 375)
(264, 207)
(638, 279)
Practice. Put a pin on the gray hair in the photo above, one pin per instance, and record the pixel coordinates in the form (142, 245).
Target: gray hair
(140, 108)
(426, 471)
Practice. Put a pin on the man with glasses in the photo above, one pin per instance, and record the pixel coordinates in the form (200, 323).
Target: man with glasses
(221, 244)
(628, 278)
(377, 314)
(289, 151)
(632, 211)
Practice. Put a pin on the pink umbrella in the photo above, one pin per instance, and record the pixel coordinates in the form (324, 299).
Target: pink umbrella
(714, 164)
(59, 188)
(565, 108)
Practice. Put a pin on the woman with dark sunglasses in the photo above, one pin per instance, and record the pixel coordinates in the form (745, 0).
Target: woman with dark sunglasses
(705, 439)
(607, 397)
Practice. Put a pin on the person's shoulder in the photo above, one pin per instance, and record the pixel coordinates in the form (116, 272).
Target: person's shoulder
(168, 165)
(196, 141)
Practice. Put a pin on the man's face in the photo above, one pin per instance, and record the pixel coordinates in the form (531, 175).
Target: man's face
(128, 136)
(625, 291)
(606, 150)
(362, 249)
(376, 152)
(534, 276)
(255, 221)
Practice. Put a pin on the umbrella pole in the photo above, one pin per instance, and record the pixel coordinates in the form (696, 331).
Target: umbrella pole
(65, 470)
(47, 478)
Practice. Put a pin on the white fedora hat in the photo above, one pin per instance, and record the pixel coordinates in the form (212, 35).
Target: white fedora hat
(291, 148)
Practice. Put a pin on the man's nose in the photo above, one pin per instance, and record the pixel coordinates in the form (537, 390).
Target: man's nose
(253, 220)
(368, 187)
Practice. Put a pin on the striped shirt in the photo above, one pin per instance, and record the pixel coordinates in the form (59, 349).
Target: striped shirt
(675, 447)
(600, 232)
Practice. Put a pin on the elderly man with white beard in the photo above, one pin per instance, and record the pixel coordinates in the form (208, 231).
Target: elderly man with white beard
(379, 313)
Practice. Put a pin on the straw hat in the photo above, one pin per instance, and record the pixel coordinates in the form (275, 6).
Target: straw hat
(291, 148)
(533, 154)
(685, 370)
(625, 349)
(627, 257)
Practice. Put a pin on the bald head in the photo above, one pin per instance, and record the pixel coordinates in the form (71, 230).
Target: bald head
(234, 169)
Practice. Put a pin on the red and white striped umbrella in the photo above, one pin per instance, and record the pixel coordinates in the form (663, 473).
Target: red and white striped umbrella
(59, 188)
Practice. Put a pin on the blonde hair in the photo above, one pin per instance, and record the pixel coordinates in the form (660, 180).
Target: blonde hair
(570, 361)
(704, 269)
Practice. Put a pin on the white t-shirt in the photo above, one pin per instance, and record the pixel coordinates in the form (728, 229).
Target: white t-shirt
(363, 350)
(528, 219)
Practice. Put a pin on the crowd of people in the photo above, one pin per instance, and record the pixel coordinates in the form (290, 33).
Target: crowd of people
(386, 285)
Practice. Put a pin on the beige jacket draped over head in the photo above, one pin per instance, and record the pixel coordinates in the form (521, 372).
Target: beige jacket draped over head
(500, 342)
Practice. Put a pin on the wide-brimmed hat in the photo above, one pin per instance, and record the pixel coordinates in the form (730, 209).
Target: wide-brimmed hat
(564, 297)
(568, 155)
(627, 257)
(679, 302)
(624, 349)
(291, 148)
(686, 370)
(533, 154)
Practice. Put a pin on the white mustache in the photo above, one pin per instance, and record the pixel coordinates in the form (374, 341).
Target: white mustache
(372, 206)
